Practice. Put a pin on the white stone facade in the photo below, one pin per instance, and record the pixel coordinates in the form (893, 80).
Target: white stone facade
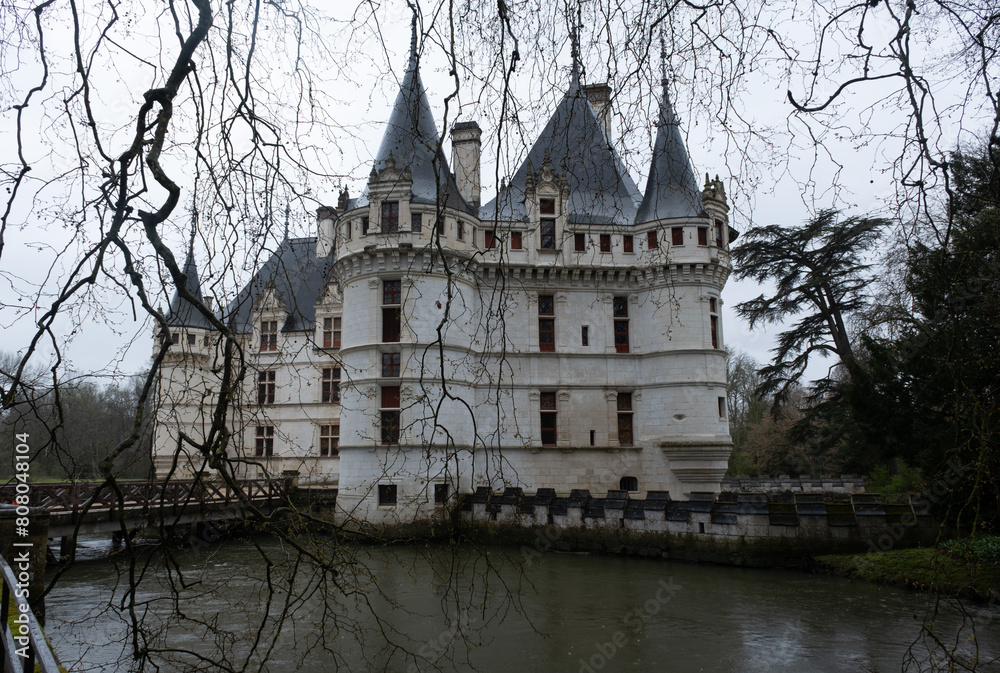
(556, 343)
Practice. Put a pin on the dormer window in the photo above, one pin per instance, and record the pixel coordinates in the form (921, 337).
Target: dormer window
(390, 217)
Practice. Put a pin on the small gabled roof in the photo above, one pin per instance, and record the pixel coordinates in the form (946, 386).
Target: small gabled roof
(671, 190)
(182, 312)
(412, 141)
(574, 143)
(296, 275)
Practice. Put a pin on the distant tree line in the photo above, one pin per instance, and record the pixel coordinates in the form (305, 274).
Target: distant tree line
(914, 385)
(72, 426)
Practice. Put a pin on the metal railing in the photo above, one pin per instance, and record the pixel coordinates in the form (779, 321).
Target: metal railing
(22, 642)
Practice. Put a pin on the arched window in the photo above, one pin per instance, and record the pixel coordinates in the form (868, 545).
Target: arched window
(628, 484)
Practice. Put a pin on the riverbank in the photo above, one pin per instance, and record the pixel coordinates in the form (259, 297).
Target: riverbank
(922, 569)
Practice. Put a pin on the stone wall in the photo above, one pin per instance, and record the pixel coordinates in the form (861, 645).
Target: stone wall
(736, 528)
(825, 484)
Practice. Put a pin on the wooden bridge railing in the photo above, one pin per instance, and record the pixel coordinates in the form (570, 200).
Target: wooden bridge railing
(66, 497)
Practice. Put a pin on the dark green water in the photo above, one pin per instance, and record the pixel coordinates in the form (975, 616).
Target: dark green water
(457, 609)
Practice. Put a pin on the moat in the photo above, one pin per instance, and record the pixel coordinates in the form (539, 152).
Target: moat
(497, 609)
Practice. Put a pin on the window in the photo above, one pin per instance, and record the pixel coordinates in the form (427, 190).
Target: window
(440, 494)
(330, 386)
(264, 441)
(390, 364)
(677, 236)
(651, 241)
(702, 235)
(329, 440)
(460, 230)
(265, 387)
(620, 305)
(579, 242)
(722, 407)
(547, 231)
(629, 484)
(390, 414)
(331, 332)
(191, 339)
(627, 244)
(718, 233)
(364, 225)
(416, 223)
(205, 341)
(605, 242)
(391, 299)
(491, 239)
(713, 321)
(268, 335)
(547, 206)
(387, 495)
(515, 240)
(390, 217)
(175, 338)
(625, 421)
(584, 335)
(546, 324)
(547, 405)
(347, 230)
(440, 227)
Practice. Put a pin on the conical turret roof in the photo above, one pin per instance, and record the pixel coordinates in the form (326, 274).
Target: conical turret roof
(412, 142)
(182, 312)
(671, 190)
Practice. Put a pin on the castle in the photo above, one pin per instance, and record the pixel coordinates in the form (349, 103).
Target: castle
(567, 334)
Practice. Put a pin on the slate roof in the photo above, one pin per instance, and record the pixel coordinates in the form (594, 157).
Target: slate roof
(411, 139)
(671, 190)
(182, 312)
(298, 277)
(600, 189)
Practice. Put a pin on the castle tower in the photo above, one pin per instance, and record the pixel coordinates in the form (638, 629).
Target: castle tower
(184, 385)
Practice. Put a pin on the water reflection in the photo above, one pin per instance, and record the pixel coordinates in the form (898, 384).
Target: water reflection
(455, 609)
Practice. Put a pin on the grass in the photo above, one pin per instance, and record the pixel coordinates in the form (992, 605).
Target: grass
(924, 569)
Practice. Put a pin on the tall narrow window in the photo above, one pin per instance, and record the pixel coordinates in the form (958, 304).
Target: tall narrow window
(627, 244)
(584, 335)
(651, 241)
(713, 319)
(390, 217)
(329, 440)
(515, 240)
(625, 436)
(331, 332)
(416, 223)
(677, 236)
(390, 365)
(441, 494)
(547, 224)
(620, 306)
(264, 441)
(268, 335)
(546, 323)
(390, 415)
(718, 233)
(330, 385)
(702, 235)
(347, 230)
(265, 387)
(579, 242)
(490, 240)
(364, 225)
(440, 227)
(392, 297)
(722, 407)
(547, 407)
(460, 230)
(605, 242)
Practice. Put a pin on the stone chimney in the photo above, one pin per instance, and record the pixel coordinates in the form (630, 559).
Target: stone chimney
(599, 96)
(466, 148)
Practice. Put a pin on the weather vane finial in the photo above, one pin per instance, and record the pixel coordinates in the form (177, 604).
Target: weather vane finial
(574, 38)
(194, 228)
(663, 57)
(288, 211)
(413, 34)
